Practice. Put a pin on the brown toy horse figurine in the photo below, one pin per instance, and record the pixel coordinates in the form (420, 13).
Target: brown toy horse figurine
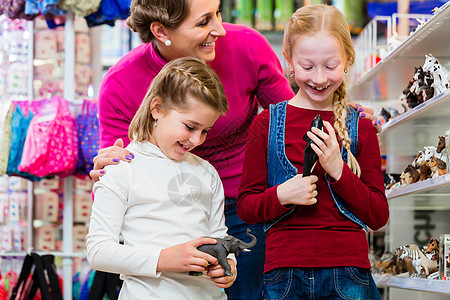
(433, 248)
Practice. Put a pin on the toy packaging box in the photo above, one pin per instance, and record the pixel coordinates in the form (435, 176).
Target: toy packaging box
(444, 259)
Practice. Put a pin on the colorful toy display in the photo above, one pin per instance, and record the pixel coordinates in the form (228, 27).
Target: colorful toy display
(429, 163)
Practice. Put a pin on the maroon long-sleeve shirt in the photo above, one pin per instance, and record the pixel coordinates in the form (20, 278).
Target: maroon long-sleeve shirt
(317, 235)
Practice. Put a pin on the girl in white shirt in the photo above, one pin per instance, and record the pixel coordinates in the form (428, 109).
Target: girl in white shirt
(167, 199)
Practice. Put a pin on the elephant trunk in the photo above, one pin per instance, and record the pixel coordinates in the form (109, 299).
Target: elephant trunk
(244, 245)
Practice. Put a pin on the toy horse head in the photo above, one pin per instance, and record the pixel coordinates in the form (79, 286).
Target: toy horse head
(430, 61)
(419, 74)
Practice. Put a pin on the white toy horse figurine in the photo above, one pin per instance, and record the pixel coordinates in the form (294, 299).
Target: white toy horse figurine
(439, 73)
(429, 152)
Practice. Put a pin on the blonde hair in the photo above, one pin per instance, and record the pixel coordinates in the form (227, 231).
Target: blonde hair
(176, 80)
(170, 13)
(311, 19)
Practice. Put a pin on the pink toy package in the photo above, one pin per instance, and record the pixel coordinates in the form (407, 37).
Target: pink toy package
(44, 238)
(82, 48)
(46, 207)
(82, 205)
(45, 44)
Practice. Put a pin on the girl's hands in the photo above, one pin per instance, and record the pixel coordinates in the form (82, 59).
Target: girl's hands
(328, 150)
(186, 257)
(216, 274)
(366, 113)
(298, 190)
(109, 156)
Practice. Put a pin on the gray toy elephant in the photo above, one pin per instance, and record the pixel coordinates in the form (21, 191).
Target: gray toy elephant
(224, 246)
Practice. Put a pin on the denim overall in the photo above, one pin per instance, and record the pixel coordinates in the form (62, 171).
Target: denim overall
(280, 169)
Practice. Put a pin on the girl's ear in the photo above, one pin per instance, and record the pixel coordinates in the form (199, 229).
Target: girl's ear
(156, 107)
(159, 31)
(288, 60)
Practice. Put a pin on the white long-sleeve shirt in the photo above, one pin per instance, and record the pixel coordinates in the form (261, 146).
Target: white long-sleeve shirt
(155, 203)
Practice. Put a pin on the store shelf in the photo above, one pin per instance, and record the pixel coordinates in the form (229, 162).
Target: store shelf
(404, 136)
(432, 194)
(435, 111)
(390, 76)
(420, 210)
(417, 284)
(431, 187)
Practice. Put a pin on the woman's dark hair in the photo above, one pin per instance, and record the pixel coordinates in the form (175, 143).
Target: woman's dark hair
(170, 13)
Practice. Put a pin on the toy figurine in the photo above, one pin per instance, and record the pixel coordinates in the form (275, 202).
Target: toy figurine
(420, 261)
(441, 152)
(224, 246)
(409, 175)
(438, 72)
(411, 99)
(422, 84)
(311, 157)
(433, 249)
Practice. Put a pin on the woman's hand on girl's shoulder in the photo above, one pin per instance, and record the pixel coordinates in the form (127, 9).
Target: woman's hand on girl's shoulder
(216, 273)
(366, 113)
(109, 156)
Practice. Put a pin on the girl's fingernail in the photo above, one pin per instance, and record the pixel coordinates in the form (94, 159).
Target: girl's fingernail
(363, 115)
(116, 160)
(360, 109)
(357, 105)
(102, 172)
(132, 155)
(128, 157)
(374, 123)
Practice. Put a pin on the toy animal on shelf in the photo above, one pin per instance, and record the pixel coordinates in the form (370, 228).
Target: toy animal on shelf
(391, 113)
(441, 151)
(429, 152)
(409, 175)
(438, 155)
(422, 84)
(390, 264)
(390, 179)
(418, 160)
(412, 100)
(429, 163)
(438, 167)
(420, 261)
(420, 89)
(421, 166)
(438, 72)
(432, 250)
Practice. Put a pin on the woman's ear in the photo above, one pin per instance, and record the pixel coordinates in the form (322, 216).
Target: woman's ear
(159, 31)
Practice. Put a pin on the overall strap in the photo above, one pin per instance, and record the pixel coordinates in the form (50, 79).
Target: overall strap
(279, 168)
(351, 122)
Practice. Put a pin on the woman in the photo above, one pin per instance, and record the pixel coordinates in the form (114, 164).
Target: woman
(250, 73)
